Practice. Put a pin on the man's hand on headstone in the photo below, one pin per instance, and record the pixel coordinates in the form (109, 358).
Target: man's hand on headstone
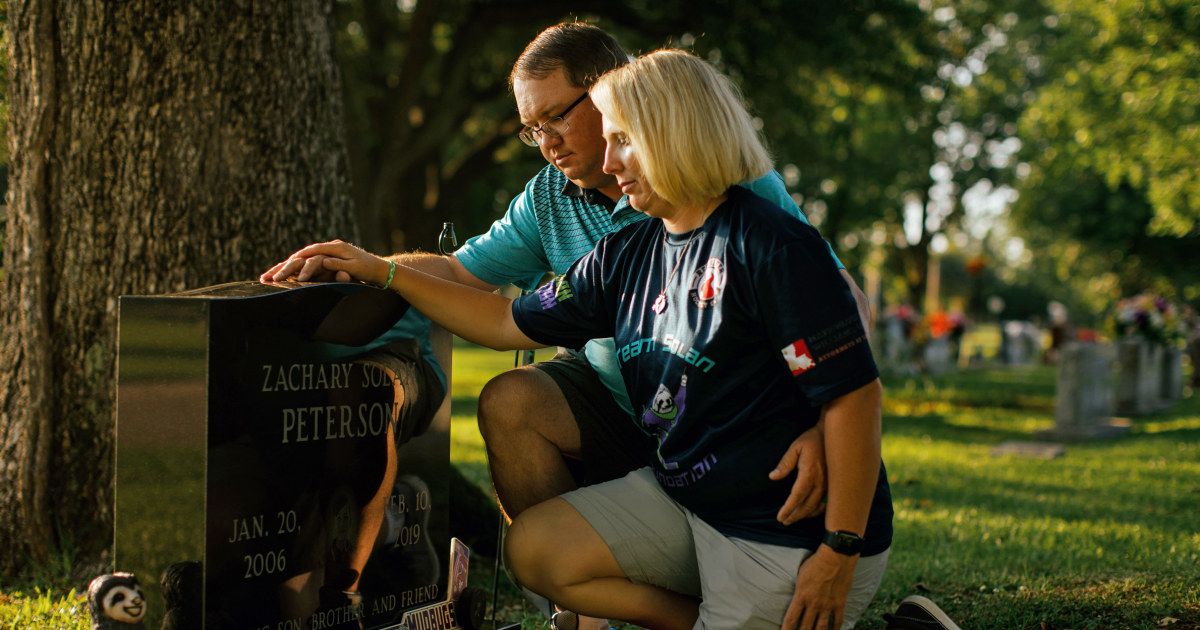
(309, 269)
(344, 261)
(806, 457)
(307, 266)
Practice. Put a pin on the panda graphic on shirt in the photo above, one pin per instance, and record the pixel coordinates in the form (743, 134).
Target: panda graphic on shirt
(662, 414)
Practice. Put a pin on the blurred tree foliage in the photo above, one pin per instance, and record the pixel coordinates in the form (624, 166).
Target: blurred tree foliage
(1113, 148)
(886, 118)
(894, 159)
(1097, 242)
(1124, 103)
(432, 123)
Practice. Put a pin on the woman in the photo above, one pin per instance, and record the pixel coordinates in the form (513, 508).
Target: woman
(735, 333)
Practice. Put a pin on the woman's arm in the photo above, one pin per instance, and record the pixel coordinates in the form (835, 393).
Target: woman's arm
(853, 440)
(477, 316)
(853, 428)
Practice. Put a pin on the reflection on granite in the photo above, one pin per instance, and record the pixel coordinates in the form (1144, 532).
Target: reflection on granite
(245, 454)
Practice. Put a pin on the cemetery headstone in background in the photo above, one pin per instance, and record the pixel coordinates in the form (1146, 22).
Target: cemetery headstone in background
(1084, 398)
(937, 356)
(252, 443)
(1019, 342)
(1140, 383)
(1172, 375)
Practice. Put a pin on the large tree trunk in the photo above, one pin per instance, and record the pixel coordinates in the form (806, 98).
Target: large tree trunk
(156, 146)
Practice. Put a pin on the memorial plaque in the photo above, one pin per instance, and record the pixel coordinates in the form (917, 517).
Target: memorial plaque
(255, 428)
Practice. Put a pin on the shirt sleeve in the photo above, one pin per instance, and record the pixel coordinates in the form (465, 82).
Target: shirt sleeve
(572, 308)
(771, 188)
(511, 251)
(814, 323)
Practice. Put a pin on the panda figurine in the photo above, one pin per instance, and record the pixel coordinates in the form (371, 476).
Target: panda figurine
(116, 602)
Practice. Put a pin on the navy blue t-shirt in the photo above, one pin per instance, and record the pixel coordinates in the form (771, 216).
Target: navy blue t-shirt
(759, 330)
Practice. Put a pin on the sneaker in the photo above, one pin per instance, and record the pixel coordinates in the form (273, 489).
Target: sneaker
(918, 613)
(564, 620)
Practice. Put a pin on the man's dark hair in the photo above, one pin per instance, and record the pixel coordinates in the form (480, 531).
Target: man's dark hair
(584, 52)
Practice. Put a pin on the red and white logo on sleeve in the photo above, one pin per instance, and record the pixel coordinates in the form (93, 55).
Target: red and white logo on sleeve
(798, 358)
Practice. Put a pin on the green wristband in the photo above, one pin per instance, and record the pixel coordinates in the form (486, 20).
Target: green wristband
(391, 274)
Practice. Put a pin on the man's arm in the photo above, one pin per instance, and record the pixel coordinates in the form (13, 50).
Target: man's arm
(852, 443)
(860, 301)
(444, 267)
(312, 269)
(805, 457)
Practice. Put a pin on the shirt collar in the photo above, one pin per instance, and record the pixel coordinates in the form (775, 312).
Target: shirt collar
(589, 195)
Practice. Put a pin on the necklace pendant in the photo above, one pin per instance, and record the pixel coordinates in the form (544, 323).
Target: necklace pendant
(660, 304)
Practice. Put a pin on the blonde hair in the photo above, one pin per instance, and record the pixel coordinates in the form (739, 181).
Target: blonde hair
(687, 122)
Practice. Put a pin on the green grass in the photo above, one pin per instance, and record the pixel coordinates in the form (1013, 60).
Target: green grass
(473, 368)
(21, 610)
(1106, 536)
(1103, 537)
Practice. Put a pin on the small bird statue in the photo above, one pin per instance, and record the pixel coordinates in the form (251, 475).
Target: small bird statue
(116, 602)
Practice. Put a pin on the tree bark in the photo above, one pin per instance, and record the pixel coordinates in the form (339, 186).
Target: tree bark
(156, 146)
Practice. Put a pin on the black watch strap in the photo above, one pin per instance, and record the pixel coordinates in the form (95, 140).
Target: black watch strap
(845, 543)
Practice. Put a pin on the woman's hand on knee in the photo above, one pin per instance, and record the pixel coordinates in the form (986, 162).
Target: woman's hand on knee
(822, 588)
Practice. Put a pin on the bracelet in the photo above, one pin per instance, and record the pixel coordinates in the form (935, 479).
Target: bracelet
(391, 274)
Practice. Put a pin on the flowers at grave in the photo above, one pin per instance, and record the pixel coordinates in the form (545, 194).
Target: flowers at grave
(1149, 317)
(940, 324)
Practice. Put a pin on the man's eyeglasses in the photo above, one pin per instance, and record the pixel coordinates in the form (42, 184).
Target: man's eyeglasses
(555, 127)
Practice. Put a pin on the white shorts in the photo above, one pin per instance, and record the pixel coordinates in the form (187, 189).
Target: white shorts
(741, 583)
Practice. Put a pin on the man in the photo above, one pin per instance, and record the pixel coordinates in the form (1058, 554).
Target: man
(555, 425)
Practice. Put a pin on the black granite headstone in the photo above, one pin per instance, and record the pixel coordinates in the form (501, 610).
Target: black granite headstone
(255, 452)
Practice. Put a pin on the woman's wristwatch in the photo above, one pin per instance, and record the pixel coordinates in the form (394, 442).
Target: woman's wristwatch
(845, 543)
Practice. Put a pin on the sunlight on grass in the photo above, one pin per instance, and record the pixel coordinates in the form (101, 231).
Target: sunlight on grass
(1101, 537)
(473, 368)
(1174, 424)
(43, 610)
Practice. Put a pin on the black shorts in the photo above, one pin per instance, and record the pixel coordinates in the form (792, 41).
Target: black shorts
(423, 391)
(612, 444)
(352, 470)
